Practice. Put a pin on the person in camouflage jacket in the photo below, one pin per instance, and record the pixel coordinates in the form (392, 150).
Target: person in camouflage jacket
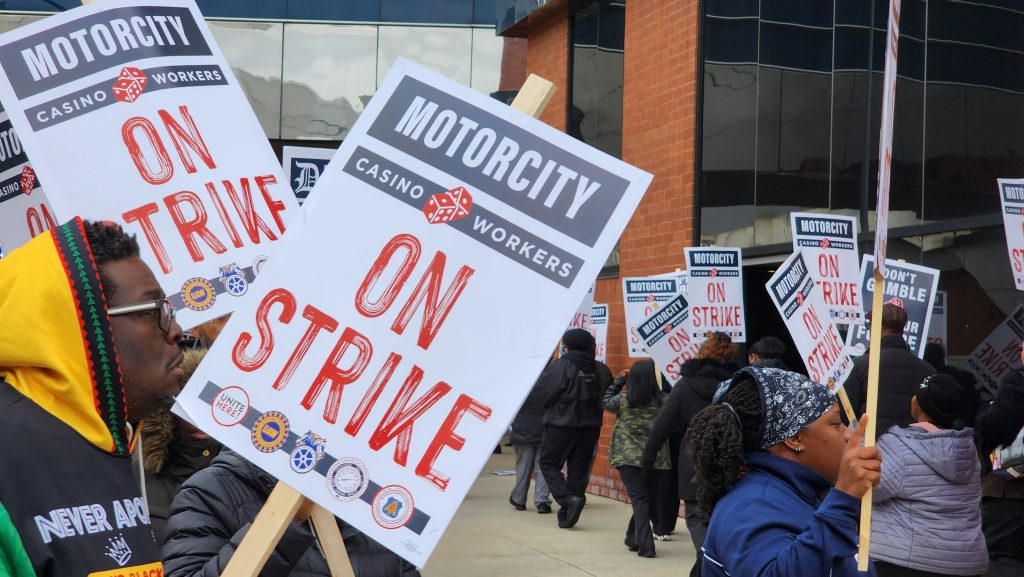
(636, 410)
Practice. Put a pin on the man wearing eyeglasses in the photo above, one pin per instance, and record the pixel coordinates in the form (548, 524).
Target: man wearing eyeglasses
(89, 344)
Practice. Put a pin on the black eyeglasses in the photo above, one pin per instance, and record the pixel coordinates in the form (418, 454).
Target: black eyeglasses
(162, 305)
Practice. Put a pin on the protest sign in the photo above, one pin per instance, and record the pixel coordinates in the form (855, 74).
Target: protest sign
(382, 402)
(665, 335)
(24, 211)
(797, 296)
(303, 165)
(641, 296)
(829, 245)
(581, 318)
(911, 286)
(1011, 198)
(999, 354)
(715, 292)
(130, 113)
(937, 328)
(599, 328)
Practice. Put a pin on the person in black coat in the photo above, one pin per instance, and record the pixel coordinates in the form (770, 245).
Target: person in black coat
(700, 379)
(214, 509)
(1002, 498)
(527, 432)
(900, 372)
(935, 356)
(571, 389)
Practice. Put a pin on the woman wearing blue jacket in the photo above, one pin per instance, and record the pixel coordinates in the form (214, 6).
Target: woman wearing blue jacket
(781, 476)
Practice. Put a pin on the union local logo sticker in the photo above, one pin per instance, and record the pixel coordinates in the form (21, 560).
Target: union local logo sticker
(447, 206)
(129, 84)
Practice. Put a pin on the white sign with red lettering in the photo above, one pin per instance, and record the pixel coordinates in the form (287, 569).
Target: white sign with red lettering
(641, 296)
(797, 297)
(358, 370)
(1011, 198)
(581, 319)
(715, 292)
(829, 244)
(999, 354)
(666, 335)
(599, 328)
(130, 113)
(24, 211)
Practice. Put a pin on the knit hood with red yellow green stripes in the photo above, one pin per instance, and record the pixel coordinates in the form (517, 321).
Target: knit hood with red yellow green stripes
(55, 341)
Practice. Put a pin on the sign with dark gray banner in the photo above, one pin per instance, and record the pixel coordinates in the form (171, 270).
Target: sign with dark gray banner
(364, 338)
(829, 245)
(130, 113)
(998, 355)
(910, 286)
(1011, 200)
(715, 292)
(24, 210)
(797, 296)
(665, 334)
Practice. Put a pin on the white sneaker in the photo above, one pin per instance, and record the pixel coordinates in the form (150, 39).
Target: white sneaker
(662, 537)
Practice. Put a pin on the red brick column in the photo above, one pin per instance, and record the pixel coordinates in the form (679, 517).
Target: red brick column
(658, 129)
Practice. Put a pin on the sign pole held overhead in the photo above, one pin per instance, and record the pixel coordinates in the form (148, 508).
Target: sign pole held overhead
(881, 239)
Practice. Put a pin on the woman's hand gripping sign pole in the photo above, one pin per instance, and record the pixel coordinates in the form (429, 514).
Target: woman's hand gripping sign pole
(284, 502)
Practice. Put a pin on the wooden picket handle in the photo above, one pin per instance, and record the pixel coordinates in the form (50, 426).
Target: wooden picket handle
(331, 543)
(844, 402)
(265, 532)
(284, 502)
(871, 409)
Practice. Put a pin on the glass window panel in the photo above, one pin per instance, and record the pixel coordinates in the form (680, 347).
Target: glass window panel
(485, 12)
(9, 22)
(595, 115)
(438, 11)
(792, 148)
(489, 65)
(330, 74)
(728, 153)
(806, 12)
(357, 10)
(243, 8)
(253, 49)
(443, 50)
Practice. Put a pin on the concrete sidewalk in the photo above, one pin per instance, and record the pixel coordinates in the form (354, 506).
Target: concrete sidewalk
(488, 538)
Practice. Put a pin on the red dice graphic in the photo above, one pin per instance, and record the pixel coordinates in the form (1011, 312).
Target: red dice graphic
(130, 84)
(28, 180)
(800, 299)
(713, 273)
(825, 243)
(448, 206)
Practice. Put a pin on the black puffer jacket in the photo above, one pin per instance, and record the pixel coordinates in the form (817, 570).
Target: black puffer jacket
(566, 406)
(214, 509)
(693, 392)
(899, 374)
(528, 426)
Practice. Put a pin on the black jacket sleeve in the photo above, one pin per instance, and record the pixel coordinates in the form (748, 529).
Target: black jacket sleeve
(1000, 423)
(670, 420)
(200, 542)
(550, 382)
(856, 386)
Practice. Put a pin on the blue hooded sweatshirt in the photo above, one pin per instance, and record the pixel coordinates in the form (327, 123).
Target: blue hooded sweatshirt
(774, 523)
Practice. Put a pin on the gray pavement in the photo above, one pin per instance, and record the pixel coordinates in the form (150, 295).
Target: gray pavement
(488, 538)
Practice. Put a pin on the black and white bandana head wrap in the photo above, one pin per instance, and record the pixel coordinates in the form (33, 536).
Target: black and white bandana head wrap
(791, 402)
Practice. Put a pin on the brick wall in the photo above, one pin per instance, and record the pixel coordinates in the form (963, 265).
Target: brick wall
(659, 97)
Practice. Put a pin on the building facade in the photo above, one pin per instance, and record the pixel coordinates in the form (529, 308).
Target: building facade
(747, 110)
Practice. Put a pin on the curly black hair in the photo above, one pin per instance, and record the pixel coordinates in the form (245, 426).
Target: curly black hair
(768, 348)
(109, 243)
(716, 441)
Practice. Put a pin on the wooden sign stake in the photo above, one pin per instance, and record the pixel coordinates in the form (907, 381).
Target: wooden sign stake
(844, 402)
(281, 506)
(871, 409)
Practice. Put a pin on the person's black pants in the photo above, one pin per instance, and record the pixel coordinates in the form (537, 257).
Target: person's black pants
(665, 499)
(575, 448)
(1002, 521)
(639, 533)
(889, 570)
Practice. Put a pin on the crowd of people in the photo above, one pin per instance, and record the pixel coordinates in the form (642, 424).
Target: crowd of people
(768, 472)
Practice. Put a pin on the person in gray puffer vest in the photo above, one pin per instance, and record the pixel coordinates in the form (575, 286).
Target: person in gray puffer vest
(927, 516)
